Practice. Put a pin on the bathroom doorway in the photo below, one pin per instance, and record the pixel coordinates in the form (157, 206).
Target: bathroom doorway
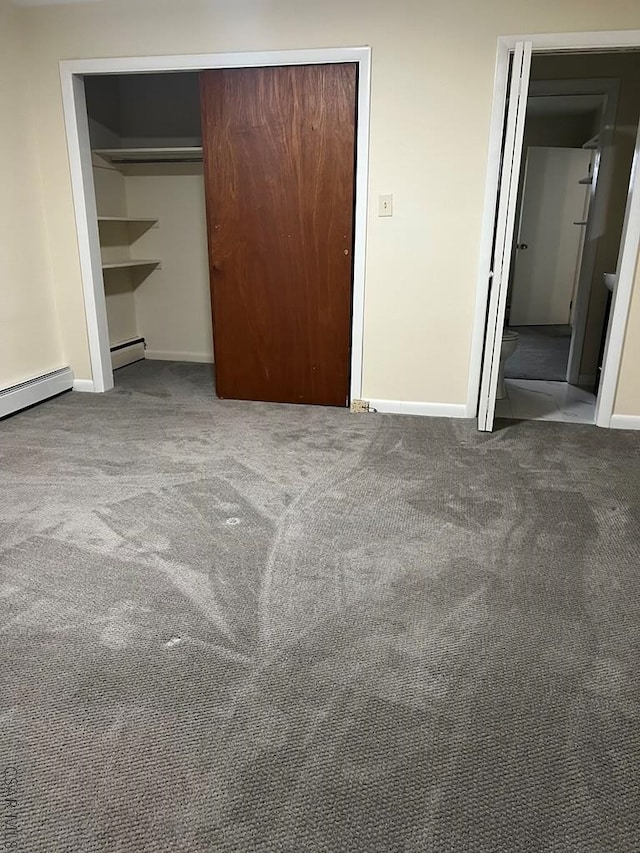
(574, 130)
(560, 193)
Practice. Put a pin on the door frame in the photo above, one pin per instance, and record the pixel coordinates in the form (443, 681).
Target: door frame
(508, 180)
(554, 42)
(72, 73)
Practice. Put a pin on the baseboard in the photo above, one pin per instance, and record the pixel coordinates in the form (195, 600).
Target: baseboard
(127, 352)
(35, 390)
(625, 422)
(84, 385)
(166, 355)
(429, 410)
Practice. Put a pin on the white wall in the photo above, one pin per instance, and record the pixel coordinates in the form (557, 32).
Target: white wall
(548, 131)
(170, 305)
(432, 82)
(173, 305)
(156, 106)
(121, 306)
(103, 96)
(115, 246)
(30, 342)
(558, 131)
(136, 110)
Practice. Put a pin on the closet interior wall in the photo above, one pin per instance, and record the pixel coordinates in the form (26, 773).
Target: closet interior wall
(151, 211)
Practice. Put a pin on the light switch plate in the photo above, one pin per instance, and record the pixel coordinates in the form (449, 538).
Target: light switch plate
(385, 205)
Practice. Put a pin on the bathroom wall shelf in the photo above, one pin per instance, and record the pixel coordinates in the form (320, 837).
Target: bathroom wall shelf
(129, 262)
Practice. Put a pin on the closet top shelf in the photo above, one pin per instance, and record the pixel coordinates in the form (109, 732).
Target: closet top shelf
(130, 262)
(185, 154)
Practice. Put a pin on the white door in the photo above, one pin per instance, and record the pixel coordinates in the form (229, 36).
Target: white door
(552, 221)
(505, 223)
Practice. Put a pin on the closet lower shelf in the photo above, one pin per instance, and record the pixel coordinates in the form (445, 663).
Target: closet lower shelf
(128, 220)
(121, 265)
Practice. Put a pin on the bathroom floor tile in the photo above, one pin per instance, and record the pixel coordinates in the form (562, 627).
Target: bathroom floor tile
(540, 400)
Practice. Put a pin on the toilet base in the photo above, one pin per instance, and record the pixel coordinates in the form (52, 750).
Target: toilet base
(501, 391)
(509, 346)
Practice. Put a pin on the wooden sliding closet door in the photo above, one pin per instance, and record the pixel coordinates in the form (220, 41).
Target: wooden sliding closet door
(279, 163)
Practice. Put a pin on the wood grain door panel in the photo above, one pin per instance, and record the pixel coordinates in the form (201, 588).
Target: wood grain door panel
(279, 155)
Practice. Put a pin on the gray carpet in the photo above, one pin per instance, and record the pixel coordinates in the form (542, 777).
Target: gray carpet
(249, 627)
(542, 353)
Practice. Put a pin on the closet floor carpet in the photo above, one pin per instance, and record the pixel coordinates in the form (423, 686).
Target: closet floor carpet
(250, 627)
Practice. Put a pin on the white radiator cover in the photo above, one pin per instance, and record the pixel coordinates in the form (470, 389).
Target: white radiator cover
(127, 352)
(31, 391)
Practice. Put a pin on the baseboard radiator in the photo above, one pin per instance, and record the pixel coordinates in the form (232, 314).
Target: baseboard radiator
(127, 352)
(35, 390)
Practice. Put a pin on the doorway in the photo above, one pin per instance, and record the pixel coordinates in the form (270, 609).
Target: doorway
(563, 199)
(73, 74)
(608, 243)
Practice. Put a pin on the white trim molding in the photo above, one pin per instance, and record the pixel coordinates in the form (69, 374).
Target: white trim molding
(72, 73)
(625, 422)
(35, 390)
(621, 302)
(586, 41)
(430, 410)
(84, 201)
(84, 386)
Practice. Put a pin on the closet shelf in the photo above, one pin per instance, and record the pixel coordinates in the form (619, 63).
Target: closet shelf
(125, 219)
(587, 180)
(190, 154)
(129, 262)
(592, 143)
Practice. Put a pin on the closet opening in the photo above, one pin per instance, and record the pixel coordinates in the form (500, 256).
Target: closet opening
(220, 209)
(146, 152)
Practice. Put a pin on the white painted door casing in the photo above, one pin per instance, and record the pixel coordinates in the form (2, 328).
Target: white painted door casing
(504, 228)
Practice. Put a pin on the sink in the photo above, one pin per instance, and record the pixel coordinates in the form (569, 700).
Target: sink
(609, 279)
